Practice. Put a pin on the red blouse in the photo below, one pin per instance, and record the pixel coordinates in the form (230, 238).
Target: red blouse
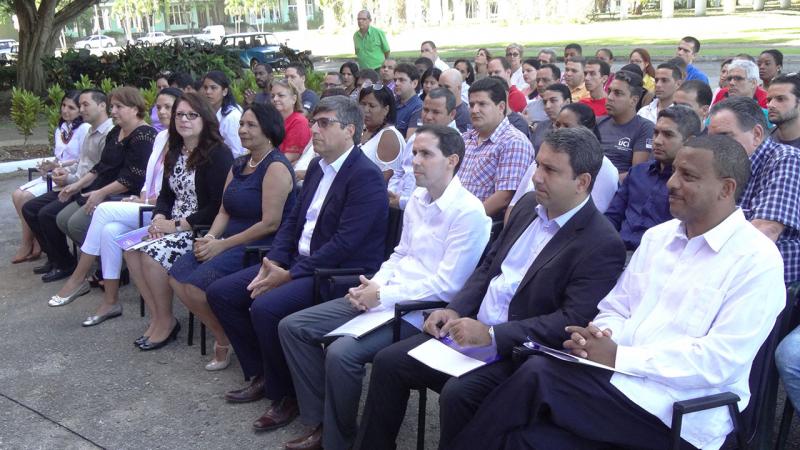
(298, 133)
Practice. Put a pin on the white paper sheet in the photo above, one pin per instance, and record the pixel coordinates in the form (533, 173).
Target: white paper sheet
(436, 355)
(363, 323)
(571, 358)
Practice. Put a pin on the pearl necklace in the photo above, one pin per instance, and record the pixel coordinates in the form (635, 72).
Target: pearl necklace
(250, 162)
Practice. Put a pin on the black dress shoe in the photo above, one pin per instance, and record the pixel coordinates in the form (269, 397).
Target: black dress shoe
(148, 345)
(57, 274)
(43, 269)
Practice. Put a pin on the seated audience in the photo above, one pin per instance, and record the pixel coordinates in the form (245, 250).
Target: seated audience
(349, 72)
(514, 55)
(422, 64)
(111, 219)
(770, 63)
(467, 75)
(451, 80)
(444, 232)
(595, 76)
(429, 80)
(547, 56)
(40, 213)
(743, 80)
(497, 154)
(771, 199)
(626, 138)
(696, 95)
(182, 81)
(68, 139)
(297, 132)
(529, 68)
(688, 48)
(642, 200)
(263, 75)
(333, 80)
(339, 221)
(437, 109)
(409, 105)
(607, 56)
(380, 141)
(554, 97)
(216, 88)
(162, 82)
(121, 170)
(387, 73)
(668, 79)
(575, 115)
(546, 75)
(553, 262)
(574, 78)
(258, 194)
(195, 167)
(296, 75)
(721, 303)
(641, 58)
(499, 67)
(428, 50)
(482, 58)
(784, 109)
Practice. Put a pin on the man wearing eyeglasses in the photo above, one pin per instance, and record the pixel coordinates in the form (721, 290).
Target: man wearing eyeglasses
(743, 80)
(371, 46)
(338, 221)
(514, 56)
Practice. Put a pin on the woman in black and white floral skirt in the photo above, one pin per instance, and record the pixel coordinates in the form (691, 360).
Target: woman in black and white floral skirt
(195, 168)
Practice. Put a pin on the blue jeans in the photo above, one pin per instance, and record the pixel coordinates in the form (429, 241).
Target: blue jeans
(787, 358)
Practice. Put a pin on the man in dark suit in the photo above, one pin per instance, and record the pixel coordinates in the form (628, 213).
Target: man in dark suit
(549, 268)
(340, 220)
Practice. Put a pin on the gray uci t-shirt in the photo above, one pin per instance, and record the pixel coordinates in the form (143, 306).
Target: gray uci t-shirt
(620, 141)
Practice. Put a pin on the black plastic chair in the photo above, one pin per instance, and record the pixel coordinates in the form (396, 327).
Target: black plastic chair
(793, 321)
(753, 426)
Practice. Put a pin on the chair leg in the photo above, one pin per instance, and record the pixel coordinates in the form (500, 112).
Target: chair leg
(202, 339)
(786, 425)
(423, 397)
(190, 333)
(141, 306)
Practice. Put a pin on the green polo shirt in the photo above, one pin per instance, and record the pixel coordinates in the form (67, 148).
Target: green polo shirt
(370, 48)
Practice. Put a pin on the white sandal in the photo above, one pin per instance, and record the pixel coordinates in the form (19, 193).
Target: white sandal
(214, 365)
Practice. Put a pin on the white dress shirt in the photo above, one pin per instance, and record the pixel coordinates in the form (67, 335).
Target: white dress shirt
(689, 316)
(536, 111)
(605, 186)
(229, 129)
(518, 80)
(494, 306)
(441, 244)
(329, 172)
(650, 111)
(403, 181)
(441, 65)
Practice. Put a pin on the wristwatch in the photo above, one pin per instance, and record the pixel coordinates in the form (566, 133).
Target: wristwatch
(178, 226)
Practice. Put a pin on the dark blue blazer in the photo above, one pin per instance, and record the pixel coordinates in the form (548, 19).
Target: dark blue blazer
(351, 227)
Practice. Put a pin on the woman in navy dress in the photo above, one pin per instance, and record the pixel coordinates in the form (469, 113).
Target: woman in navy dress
(259, 192)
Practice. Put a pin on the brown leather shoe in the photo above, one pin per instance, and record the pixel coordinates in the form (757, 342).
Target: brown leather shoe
(311, 441)
(249, 394)
(280, 414)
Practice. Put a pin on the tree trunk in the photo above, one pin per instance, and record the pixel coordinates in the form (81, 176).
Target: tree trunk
(700, 8)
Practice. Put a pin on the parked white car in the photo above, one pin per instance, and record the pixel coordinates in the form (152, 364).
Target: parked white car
(96, 41)
(212, 34)
(153, 38)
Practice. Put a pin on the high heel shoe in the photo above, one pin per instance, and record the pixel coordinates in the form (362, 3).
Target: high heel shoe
(214, 365)
(57, 300)
(148, 345)
(115, 311)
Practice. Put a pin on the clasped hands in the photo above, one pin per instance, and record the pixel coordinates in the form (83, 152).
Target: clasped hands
(465, 331)
(364, 296)
(592, 343)
(270, 276)
(207, 247)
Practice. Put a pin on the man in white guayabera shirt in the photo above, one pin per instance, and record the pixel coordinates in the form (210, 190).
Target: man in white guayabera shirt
(685, 320)
(445, 230)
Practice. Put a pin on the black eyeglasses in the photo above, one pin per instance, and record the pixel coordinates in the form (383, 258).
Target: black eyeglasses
(323, 122)
(186, 115)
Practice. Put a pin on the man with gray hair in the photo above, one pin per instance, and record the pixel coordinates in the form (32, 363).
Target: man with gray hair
(339, 220)
(743, 81)
(547, 56)
(771, 199)
(514, 55)
(371, 46)
(451, 80)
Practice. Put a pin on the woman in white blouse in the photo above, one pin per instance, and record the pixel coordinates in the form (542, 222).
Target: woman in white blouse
(112, 219)
(69, 136)
(216, 88)
(381, 141)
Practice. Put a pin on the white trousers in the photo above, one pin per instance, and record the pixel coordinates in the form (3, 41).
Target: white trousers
(109, 220)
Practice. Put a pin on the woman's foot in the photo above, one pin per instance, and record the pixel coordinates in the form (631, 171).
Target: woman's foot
(105, 308)
(70, 286)
(160, 333)
(222, 358)
(27, 253)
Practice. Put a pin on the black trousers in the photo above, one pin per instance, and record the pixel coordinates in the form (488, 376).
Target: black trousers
(40, 214)
(394, 374)
(551, 405)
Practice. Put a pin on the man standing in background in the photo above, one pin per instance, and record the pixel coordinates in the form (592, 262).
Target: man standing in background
(370, 43)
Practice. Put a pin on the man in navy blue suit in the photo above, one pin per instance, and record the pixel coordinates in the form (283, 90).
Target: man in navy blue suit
(340, 221)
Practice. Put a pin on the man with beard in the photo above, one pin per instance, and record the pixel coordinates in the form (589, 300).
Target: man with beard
(783, 102)
(263, 74)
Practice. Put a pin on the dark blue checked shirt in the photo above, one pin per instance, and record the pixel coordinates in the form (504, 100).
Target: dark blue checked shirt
(773, 193)
(641, 203)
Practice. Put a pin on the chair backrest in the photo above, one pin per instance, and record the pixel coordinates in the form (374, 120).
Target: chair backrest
(759, 416)
(394, 231)
(497, 227)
